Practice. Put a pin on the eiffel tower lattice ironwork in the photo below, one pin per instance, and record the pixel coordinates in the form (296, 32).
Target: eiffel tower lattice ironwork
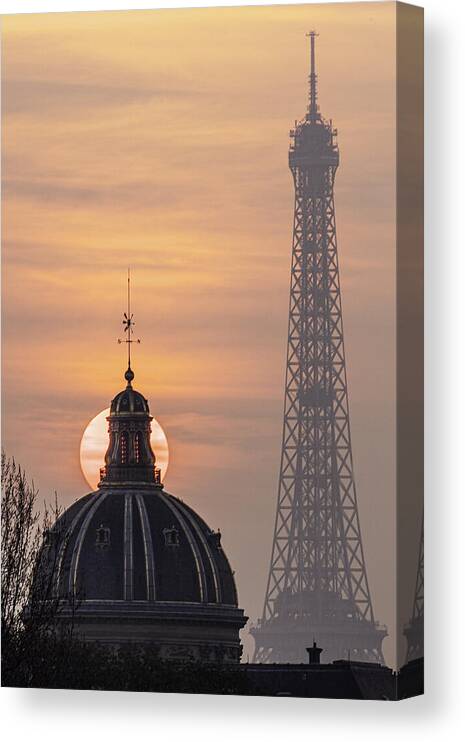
(414, 632)
(317, 586)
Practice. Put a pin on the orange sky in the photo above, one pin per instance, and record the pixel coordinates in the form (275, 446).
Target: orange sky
(159, 139)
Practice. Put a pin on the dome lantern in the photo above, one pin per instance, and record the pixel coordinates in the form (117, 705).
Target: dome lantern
(129, 457)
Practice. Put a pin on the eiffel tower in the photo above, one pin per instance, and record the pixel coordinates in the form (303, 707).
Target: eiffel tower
(414, 632)
(317, 586)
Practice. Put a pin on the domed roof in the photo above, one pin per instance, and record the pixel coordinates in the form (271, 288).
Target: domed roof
(129, 401)
(138, 545)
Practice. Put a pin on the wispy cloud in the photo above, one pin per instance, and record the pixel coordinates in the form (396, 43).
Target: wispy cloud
(64, 99)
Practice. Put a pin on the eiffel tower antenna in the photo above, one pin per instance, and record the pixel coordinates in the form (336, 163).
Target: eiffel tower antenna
(313, 106)
(317, 581)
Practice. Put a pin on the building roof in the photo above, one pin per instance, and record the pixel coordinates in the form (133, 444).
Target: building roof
(137, 544)
(129, 401)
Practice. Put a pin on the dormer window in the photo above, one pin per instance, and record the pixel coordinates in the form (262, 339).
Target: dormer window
(123, 448)
(102, 540)
(171, 536)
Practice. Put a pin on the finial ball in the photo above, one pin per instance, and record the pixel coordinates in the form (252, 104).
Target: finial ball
(129, 375)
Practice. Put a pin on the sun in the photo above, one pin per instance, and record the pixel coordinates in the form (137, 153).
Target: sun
(94, 444)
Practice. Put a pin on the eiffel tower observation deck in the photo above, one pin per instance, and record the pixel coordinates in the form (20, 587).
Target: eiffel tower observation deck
(317, 586)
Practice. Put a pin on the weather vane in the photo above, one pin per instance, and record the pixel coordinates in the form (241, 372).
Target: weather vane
(129, 323)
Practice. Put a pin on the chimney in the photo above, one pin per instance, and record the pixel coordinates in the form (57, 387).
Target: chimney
(314, 654)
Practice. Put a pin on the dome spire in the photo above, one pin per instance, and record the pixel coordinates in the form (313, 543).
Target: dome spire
(129, 323)
(129, 457)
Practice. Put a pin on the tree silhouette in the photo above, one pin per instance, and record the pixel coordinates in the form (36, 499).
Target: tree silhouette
(29, 608)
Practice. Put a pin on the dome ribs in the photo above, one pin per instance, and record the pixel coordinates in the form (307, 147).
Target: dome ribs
(202, 538)
(170, 502)
(148, 548)
(80, 539)
(67, 537)
(128, 590)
